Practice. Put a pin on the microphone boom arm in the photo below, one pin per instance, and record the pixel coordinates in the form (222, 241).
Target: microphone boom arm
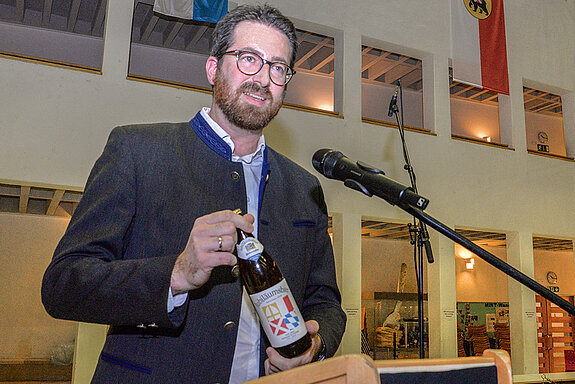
(490, 258)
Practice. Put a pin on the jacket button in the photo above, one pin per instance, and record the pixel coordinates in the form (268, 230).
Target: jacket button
(235, 176)
(229, 326)
(236, 270)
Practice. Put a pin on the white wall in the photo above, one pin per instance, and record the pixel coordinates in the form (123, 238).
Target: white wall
(55, 122)
(26, 246)
(483, 283)
(381, 264)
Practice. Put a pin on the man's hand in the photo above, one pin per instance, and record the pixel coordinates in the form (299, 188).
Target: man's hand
(210, 245)
(276, 362)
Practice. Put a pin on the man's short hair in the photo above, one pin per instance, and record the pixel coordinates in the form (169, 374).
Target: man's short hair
(264, 14)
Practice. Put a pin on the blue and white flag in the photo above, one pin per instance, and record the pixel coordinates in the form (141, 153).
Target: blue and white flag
(210, 11)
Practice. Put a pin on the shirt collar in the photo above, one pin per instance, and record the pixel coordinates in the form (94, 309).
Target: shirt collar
(248, 159)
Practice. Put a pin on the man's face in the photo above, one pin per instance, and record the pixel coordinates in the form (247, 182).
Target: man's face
(251, 102)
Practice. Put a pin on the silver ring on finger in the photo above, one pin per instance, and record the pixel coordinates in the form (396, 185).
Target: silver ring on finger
(220, 243)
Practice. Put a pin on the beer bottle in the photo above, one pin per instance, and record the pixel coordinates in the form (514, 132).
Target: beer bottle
(278, 312)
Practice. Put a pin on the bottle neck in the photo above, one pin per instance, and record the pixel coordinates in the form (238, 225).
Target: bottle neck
(243, 235)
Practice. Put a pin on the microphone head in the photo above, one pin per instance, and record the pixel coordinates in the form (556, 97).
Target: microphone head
(319, 158)
(324, 161)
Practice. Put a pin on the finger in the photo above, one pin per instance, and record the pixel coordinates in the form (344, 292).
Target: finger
(312, 327)
(209, 256)
(269, 368)
(278, 362)
(227, 243)
(244, 222)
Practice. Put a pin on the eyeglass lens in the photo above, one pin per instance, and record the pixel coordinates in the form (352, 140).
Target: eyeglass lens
(251, 63)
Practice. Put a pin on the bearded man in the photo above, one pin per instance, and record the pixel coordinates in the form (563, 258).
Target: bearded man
(149, 249)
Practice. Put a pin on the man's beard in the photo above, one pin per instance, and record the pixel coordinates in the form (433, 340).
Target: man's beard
(243, 114)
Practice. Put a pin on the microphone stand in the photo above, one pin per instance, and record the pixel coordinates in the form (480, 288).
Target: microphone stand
(417, 231)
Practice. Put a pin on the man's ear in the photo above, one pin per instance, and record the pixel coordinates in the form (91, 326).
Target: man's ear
(211, 68)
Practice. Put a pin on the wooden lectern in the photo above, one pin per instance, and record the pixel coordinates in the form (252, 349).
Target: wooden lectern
(493, 367)
(346, 369)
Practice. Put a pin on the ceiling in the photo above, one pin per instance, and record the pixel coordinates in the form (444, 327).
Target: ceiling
(395, 231)
(26, 198)
(84, 17)
(315, 55)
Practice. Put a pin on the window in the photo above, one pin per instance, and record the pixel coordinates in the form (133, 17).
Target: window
(60, 32)
(554, 268)
(474, 113)
(313, 84)
(482, 296)
(174, 52)
(381, 72)
(544, 122)
(169, 50)
(389, 292)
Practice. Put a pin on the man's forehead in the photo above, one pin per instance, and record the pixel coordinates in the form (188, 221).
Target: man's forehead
(263, 39)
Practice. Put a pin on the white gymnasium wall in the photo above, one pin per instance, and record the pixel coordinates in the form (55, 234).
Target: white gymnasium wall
(55, 123)
(26, 247)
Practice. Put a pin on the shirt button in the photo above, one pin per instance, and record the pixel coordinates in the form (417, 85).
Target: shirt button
(235, 176)
(229, 326)
(235, 270)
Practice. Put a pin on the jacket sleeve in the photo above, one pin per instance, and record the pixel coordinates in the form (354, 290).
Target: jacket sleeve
(89, 279)
(322, 297)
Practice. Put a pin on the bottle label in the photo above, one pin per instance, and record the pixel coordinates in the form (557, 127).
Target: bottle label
(250, 249)
(279, 315)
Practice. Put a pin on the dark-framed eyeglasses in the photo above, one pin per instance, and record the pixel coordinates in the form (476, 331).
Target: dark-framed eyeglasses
(250, 63)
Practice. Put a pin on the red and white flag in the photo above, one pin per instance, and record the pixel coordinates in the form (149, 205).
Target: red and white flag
(478, 47)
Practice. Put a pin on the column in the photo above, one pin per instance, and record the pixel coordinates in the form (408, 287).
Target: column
(522, 313)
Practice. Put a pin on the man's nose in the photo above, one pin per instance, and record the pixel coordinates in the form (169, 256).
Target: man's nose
(263, 76)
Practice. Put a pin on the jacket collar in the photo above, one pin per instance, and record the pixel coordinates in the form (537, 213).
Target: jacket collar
(215, 142)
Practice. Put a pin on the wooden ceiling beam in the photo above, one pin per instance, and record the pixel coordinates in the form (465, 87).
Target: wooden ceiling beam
(173, 32)
(20, 9)
(312, 52)
(323, 62)
(390, 65)
(148, 26)
(46, 12)
(98, 21)
(544, 107)
(411, 78)
(400, 73)
(479, 94)
(55, 202)
(73, 15)
(24, 198)
(467, 88)
(195, 37)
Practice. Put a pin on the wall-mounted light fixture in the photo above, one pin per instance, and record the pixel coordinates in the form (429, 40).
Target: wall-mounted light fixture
(487, 138)
(470, 263)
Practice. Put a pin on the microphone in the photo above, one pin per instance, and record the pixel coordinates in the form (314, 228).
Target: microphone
(393, 103)
(364, 178)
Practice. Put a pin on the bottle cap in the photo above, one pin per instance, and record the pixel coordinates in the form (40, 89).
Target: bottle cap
(250, 249)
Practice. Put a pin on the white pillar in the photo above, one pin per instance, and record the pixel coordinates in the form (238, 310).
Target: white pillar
(442, 299)
(347, 248)
(118, 31)
(522, 312)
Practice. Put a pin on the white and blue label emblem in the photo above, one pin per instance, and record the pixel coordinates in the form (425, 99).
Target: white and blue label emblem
(250, 249)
